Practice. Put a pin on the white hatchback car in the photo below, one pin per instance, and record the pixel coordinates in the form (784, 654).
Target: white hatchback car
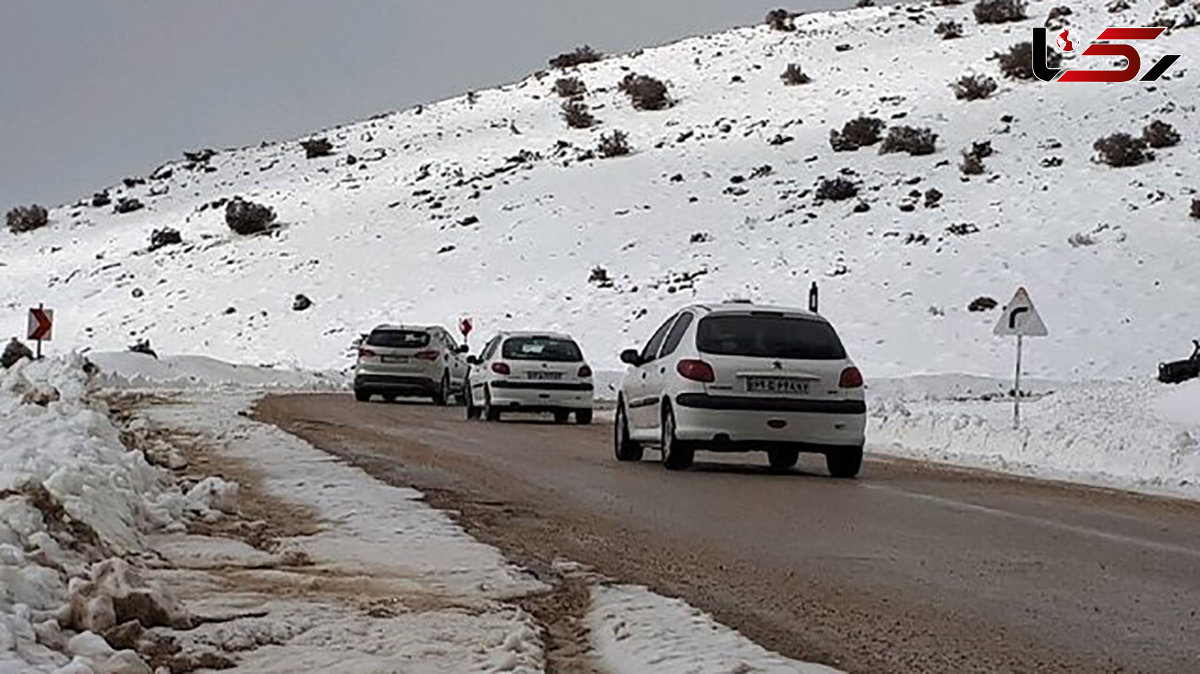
(740, 377)
(407, 360)
(530, 372)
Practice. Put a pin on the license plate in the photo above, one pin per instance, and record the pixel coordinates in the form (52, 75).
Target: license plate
(394, 359)
(776, 385)
(545, 376)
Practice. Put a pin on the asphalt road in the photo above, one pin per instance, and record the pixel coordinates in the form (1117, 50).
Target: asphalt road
(910, 568)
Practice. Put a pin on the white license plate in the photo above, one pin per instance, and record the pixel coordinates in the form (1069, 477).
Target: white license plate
(394, 359)
(776, 385)
(545, 376)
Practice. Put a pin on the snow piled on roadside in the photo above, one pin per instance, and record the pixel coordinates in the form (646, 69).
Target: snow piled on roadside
(69, 447)
(638, 632)
(138, 370)
(1141, 436)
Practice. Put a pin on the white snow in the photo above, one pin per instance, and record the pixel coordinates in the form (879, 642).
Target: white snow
(123, 369)
(69, 447)
(1142, 436)
(362, 240)
(638, 632)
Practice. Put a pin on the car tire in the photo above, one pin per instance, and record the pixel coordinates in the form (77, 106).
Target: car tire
(472, 410)
(389, 398)
(783, 459)
(626, 449)
(441, 395)
(583, 417)
(490, 412)
(675, 455)
(562, 417)
(362, 396)
(844, 463)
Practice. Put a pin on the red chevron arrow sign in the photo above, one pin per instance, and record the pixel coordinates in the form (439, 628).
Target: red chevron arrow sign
(41, 324)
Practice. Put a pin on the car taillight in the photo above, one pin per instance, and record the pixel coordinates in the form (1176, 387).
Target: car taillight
(851, 378)
(585, 371)
(366, 353)
(427, 355)
(696, 370)
(501, 368)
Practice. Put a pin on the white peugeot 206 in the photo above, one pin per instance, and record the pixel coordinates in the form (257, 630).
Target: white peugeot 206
(530, 372)
(739, 377)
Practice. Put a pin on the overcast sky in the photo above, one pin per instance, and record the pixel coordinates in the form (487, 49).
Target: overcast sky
(94, 91)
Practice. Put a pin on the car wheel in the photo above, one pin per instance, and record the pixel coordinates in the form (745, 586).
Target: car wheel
(490, 412)
(583, 417)
(626, 449)
(441, 396)
(472, 410)
(783, 459)
(845, 462)
(562, 417)
(362, 396)
(675, 455)
(389, 398)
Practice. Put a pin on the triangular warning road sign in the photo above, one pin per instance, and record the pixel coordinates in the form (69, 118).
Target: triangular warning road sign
(1020, 318)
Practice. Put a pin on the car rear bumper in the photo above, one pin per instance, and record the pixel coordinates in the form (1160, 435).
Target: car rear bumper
(740, 423)
(389, 383)
(541, 396)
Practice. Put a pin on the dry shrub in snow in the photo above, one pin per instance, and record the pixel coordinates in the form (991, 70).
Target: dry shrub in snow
(949, 30)
(615, 144)
(780, 19)
(577, 115)
(1121, 150)
(856, 133)
(645, 92)
(793, 75)
(316, 147)
(1159, 134)
(580, 56)
(14, 351)
(974, 87)
(27, 218)
(570, 87)
(1017, 62)
(164, 237)
(982, 304)
(909, 139)
(127, 205)
(143, 346)
(247, 217)
(999, 11)
(838, 188)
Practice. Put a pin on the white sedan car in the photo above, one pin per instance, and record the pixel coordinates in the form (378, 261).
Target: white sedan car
(739, 377)
(530, 372)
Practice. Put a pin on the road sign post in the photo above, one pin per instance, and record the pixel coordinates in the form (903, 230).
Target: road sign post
(1020, 319)
(41, 326)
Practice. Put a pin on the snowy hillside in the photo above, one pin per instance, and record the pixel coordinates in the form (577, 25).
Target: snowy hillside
(481, 205)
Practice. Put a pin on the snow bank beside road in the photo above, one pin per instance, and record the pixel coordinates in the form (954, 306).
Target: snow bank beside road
(138, 370)
(1142, 436)
(58, 449)
(638, 632)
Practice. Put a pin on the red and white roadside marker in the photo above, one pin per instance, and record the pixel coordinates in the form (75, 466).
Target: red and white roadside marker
(41, 326)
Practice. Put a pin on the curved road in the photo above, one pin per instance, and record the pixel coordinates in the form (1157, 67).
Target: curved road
(909, 569)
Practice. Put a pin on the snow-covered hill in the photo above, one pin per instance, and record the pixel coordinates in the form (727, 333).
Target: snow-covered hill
(480, 205)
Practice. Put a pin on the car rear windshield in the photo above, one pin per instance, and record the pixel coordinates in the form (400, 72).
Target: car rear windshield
(769, 336)
(399, 339)
(542, 348)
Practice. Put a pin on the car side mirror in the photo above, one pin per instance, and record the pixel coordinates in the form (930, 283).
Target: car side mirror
(472, 360)
(463, 348)
(631, 357)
